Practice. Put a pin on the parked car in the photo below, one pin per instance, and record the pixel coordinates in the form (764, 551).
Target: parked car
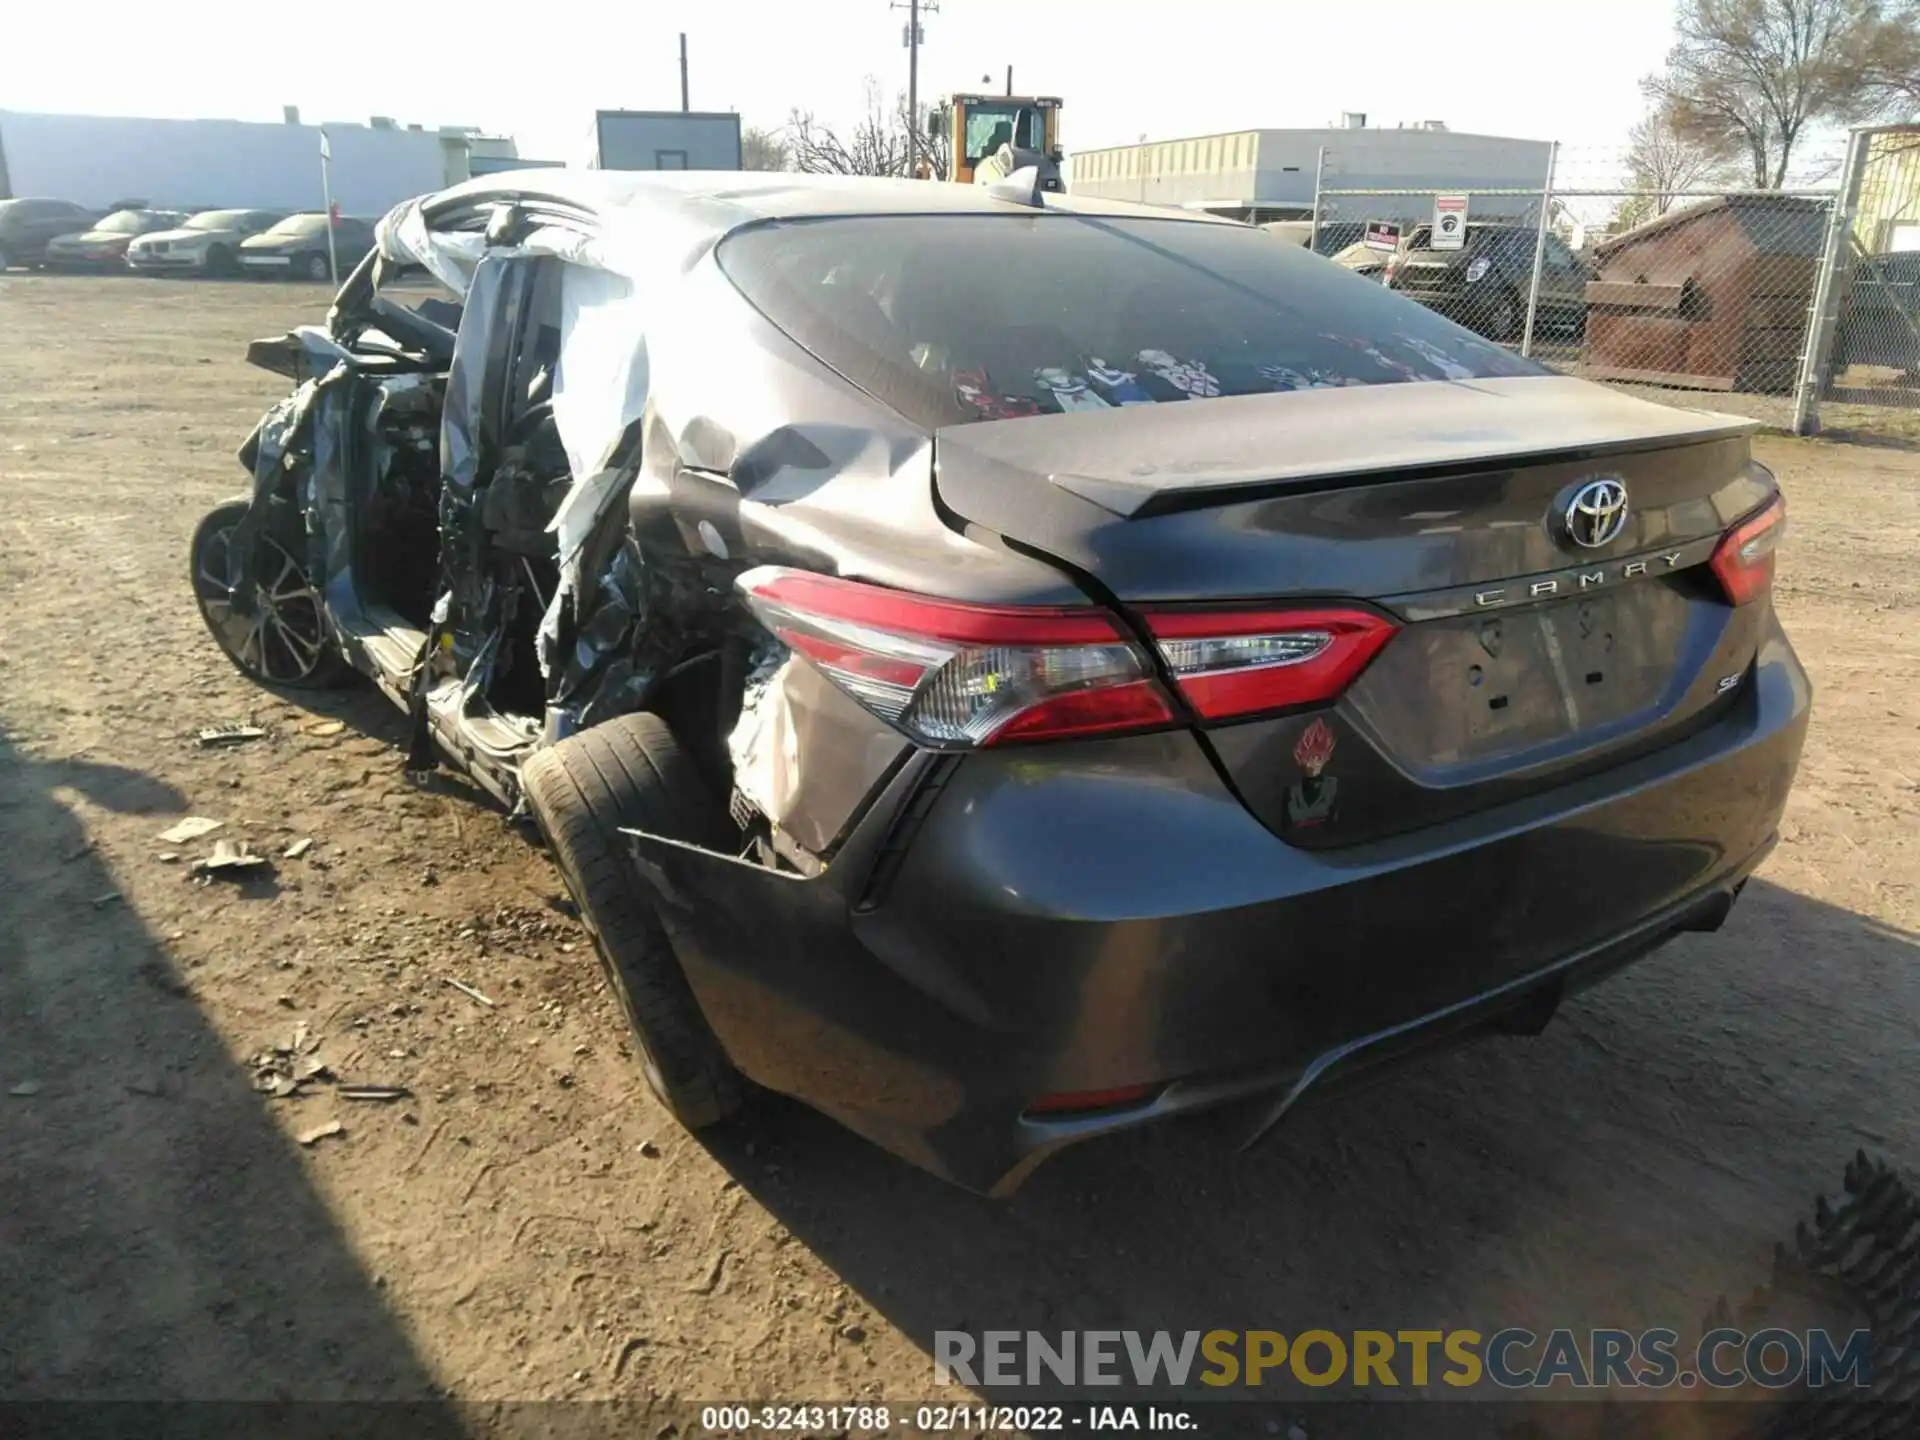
(1484, 284)
(103, 246)
(207, 244)
(1880, 316)
(1329, 237)
(1363, 259)
(297, 247)
(27, 224)
(981, 667)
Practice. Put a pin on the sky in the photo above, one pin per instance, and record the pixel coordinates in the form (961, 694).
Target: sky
(1124, 68)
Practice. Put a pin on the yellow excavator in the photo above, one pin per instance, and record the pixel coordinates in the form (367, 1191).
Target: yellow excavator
(994, 136)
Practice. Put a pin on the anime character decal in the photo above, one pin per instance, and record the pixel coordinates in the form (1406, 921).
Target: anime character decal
(1069, 391)
(1119, 387)
(1310, 801)
(975, 388)
(1189, 377)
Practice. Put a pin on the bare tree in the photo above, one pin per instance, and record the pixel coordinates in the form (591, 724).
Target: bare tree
(935, 132)
(1748, 76)
(763, 150)
(1665, 159)
(1890, 62)
(876, 145)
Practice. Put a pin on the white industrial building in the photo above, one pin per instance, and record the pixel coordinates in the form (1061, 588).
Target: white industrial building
(99, 160)
(1261, 175)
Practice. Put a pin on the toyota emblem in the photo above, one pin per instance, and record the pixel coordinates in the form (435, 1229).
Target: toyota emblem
(1597, 513)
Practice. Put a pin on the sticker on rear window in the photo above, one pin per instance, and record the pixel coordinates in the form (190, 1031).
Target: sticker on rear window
(1069, 391)
(1190, 377)
(1121, 387)
(975, 388)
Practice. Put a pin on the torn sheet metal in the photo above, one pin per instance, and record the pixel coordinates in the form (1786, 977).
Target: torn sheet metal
(764, 744)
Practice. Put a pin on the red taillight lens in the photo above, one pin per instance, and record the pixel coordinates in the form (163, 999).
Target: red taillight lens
(1081, 1102)
(1743, 561)
(953, 675)
(1233, 664)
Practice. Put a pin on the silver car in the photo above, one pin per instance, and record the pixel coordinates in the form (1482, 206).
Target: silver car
(208, 244)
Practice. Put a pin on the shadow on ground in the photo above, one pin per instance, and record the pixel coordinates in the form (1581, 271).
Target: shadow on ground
(160, 1239)
(1623, 1169)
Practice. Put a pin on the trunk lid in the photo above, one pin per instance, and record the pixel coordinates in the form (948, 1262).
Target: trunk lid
(1524, 655)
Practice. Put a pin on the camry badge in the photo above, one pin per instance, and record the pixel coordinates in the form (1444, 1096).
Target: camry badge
(1597, 513)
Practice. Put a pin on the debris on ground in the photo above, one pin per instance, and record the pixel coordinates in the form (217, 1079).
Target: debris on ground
(230, 735)
(79, 852)
(284, 1071)
(168, 857)
(191, 828)
(24, 1089)
(230, 860)
(327, 727)
(373, 1092)
(297, 848)
(320, 1132)
(100, 902)
(472, 993)
(146, 1085)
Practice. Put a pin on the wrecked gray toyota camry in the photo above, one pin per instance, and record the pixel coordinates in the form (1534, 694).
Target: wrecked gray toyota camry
(1005, 668)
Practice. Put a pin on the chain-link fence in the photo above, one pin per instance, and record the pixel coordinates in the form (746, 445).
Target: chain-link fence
(1867, 370)
(1799, 306)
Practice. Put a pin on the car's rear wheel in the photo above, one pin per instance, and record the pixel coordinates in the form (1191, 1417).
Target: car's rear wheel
(219, 261)
(318, 268)
(631, 772)
(285, 640)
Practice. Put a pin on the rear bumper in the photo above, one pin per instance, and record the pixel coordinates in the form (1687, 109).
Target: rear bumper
(1091, 917)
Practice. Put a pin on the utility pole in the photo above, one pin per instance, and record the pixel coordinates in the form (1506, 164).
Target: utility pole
(911, 39)
(1009, 79)
(684, 106)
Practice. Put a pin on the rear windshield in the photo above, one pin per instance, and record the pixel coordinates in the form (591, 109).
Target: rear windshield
(950, 318)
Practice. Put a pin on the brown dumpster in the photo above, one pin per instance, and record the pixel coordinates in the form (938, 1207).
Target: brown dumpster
(1711, 297)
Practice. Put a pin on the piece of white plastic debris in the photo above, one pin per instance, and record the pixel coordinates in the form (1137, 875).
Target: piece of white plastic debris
(25, 1089)
(191, 828)
(297, 848)
(321, 1132)
(472, 993)
(230, 735)
(229, 858)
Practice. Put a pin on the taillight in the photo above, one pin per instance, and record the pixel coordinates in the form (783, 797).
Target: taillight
(1743, 560)
(1088, 1102)
(1233, 664)
(954, 675)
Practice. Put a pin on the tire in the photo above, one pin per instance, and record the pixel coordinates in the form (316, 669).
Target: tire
(219, 261)
(286, 641)
(1505, 318)
(317, 268)
(5, 260)
(630, 771)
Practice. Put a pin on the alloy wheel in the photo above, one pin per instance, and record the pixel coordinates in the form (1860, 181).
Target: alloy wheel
(284, 640)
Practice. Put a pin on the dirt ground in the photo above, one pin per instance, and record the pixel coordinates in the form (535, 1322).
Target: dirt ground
(530, 1224)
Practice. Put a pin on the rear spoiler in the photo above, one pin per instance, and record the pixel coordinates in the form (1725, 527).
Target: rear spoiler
(1145, 460)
